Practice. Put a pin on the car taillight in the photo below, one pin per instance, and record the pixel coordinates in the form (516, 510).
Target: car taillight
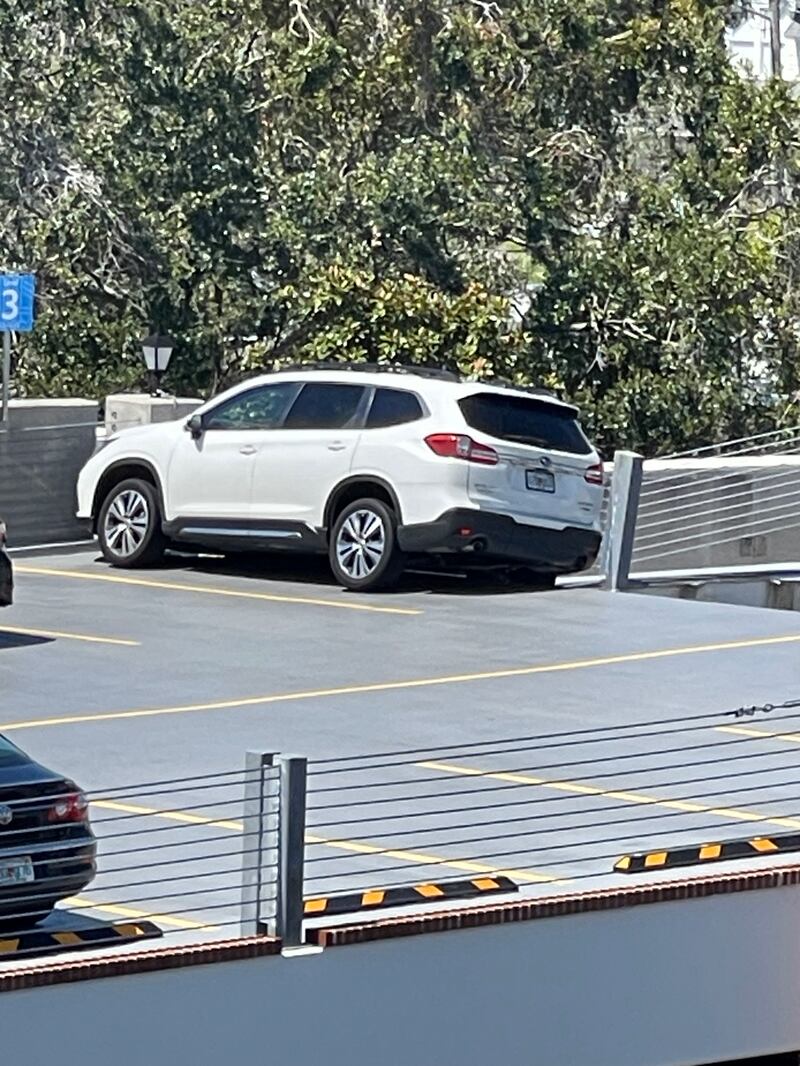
(71, 807)
(460, 446)
(594, 475)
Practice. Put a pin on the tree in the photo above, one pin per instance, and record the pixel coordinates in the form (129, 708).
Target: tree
(585, 196)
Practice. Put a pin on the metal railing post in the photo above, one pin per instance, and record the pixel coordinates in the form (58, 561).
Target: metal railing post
(626, 484)
(291, 848)
(259, 844)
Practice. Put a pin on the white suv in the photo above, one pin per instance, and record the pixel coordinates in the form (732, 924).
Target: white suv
(370, 465)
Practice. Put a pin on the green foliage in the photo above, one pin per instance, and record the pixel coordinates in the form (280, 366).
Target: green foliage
(582, 195)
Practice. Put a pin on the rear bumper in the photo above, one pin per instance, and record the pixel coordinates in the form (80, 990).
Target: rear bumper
(6, 581)
(497, 536)
(61, 871)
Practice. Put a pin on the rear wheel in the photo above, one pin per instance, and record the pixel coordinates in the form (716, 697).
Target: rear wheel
(363, 548)
(129, 525)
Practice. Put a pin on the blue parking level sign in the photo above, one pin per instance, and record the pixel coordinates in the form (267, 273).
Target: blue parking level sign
(16, 301)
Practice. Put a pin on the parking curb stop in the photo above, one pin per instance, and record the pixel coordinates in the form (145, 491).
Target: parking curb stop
(378, 898)
(697, 854)
(45, 941)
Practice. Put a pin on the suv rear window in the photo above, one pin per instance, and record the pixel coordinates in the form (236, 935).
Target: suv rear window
(392, 407)
(524, 421)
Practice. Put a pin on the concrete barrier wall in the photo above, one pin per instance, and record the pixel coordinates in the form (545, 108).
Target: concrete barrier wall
(41, 453)
(685, 982)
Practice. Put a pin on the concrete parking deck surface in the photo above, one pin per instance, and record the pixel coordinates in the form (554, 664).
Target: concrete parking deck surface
(123, 677)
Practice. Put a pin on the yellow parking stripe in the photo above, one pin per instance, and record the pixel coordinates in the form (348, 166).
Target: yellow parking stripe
(610, 793)
(760, 734)
(84, 903)
(398, 686)
(211, 590)
(57, 634)
(356, 846)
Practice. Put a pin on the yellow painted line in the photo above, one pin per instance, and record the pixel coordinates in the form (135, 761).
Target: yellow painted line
(67, 938)
(373, 897)
(356, 846)
(429, 891)
(315, 906)
(211, 590)
(656, 858)
(760, 844)
(9, 945)
(397, 686)
(710, 851)
(175, 816)
(761, 734)
(56, 634)
(117, 909)
(627, 797)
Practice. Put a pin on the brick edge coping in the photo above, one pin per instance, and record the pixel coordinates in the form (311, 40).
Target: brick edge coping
(554, 907)
(70, 971)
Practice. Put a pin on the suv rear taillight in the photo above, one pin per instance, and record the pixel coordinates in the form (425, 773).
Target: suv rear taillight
(71, 807)
(460, 446)
(594, 475)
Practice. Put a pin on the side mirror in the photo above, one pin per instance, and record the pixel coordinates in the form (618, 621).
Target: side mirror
(194, 426)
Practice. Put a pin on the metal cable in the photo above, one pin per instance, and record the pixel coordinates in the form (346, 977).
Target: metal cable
(713, 543)
(741, 525)
(550, 816)
(474, 774)
(535, 738)
(695, 516)
(694, 452)
(598, 795)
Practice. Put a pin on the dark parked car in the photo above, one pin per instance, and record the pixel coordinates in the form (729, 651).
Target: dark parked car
(6, 575)
(47, 847)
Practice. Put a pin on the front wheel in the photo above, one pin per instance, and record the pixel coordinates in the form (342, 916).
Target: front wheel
(363, 546)
(129, 525)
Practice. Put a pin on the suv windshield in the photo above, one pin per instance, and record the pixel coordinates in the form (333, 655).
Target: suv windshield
(525, 421)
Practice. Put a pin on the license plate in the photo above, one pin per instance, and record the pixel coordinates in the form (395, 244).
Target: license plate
(17, 871)
(540, 480)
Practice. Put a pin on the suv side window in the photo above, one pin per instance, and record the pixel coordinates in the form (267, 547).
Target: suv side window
(392, 407)
(261, 408)
(323, 405)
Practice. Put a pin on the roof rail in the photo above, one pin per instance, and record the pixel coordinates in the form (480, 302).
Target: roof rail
(375, 368)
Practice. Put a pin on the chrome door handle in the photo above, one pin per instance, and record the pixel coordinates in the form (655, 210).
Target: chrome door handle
(336, 446)
(248, 449)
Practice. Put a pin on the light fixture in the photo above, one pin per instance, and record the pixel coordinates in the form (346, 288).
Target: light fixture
(157, 350)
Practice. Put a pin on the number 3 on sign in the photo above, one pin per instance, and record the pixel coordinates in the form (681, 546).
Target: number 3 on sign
(17, 294)
(10, 305)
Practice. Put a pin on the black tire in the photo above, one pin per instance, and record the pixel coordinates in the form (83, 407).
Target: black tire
(377, 553)
(129, 525)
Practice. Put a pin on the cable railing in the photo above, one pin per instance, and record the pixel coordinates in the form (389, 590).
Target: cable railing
(549, 810)
(743, 492)
(167, 866)
(244, 851)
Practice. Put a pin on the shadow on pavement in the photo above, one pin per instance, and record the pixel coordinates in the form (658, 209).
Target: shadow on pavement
(13, 639)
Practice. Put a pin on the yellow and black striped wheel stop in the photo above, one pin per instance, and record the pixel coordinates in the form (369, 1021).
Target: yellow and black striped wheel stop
(700, 854)
(376, 898)
(46, 941)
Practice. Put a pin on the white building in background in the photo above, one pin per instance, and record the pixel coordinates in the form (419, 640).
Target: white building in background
(750, 42)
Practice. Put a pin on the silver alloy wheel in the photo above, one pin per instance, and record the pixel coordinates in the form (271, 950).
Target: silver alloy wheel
(126, 523)
(361, 543)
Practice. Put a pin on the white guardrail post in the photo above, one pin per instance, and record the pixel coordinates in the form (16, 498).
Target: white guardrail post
(626, 484)
(259, 844)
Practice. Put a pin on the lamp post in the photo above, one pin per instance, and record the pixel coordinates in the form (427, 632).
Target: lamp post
(157, 351)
